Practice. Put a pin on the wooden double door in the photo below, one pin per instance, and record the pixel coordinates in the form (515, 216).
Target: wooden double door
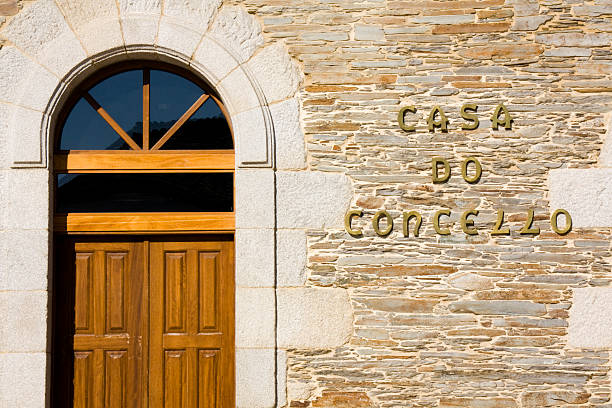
(142, 322)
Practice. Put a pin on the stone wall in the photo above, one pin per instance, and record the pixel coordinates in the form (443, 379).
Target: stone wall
(453, 321)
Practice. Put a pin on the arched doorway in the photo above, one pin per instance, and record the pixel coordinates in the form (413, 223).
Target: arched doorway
(143, 305)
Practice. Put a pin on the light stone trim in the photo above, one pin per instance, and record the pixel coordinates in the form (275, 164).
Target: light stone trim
(195, 15)
(177, 37)
(255, 321)
(23, 266)
(258, 85)
(277, 74)
(312, 199)
(23, 381)
(140, 7)
(255, 146)
(310, 318)
(291, 258)
(24, 321)
(41, 31)
(28, 207)
(585, 193)
(236, 27)
(23, 82)
(28, 149)
(255, 251)
(4, 204)
(590, 321)
(95, 22)
(139, 21)
(255, 377)
(288, 134)
(281, 378)
(254, 198)
(139, 30)
(219, 63)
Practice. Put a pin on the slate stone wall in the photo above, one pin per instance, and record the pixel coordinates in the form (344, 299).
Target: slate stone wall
(452, 321)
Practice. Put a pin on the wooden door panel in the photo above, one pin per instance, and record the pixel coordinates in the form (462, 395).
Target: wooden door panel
(208, 369)
(175, 292)
(175, 378)
(108, 323)
(83, 379)
(115, 369)
(208, 276)
(192, 330)
(84, 296)
(146, 324)
(187, 370)
(116, 292)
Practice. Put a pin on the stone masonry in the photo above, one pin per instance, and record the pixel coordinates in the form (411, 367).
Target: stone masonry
(452, 321)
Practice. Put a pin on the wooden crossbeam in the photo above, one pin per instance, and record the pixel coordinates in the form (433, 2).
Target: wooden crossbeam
(94, 104)
(181, 121)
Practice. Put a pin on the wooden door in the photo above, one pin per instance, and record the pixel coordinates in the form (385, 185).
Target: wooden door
(143, 324)
(192, 325)
(100, 324)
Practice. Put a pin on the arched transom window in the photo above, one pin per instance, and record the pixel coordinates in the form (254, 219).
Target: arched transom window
(144, 147)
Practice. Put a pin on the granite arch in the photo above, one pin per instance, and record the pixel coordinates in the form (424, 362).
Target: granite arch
(51, 47)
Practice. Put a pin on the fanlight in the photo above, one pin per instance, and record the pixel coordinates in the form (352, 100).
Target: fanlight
(146, 109)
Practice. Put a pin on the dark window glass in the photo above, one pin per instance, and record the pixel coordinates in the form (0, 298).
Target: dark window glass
(137, 192)
(121, 96)
(171, 96)
(207, 127)
(86, 130)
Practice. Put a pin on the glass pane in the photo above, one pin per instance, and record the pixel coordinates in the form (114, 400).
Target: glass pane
(136, 192)
(171, 96)
(84, 129)
(206, 129)
(121, 96)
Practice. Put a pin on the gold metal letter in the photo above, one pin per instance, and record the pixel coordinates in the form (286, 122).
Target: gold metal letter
(417, 225)
(495, 122)
(527, 228)
(376, 220)
(400, 118)
(434, 170)
(497, 229)
(466, 224)
(347, 222)
(432, 123)
(568, 222)
(436, 222)
(469, 116)
(476, 178)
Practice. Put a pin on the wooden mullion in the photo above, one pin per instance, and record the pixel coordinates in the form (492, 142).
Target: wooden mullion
(94, 104)
(146, 97)
(181, 121)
